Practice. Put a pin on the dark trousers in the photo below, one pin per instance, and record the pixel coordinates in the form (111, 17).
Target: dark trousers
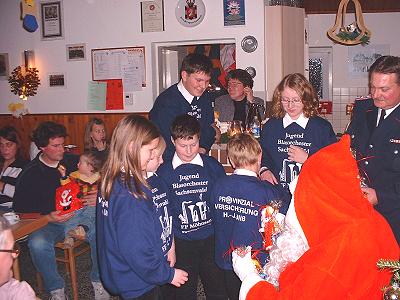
(232, 284)
(153, 294)
(197, 258)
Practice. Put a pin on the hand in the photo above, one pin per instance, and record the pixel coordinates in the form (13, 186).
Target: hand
(89, 199)
(202, 151)
(243, 265)
(370, 194)
(62, 170)
(249, 94)
(269, 176)
(55, 216)
(100, 145)
(297, 154)
(180, 277)
(171, 256)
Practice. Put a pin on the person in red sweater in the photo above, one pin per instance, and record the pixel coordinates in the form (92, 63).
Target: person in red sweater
(340, 234)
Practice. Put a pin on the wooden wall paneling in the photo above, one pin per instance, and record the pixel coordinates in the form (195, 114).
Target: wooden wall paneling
(74, 123)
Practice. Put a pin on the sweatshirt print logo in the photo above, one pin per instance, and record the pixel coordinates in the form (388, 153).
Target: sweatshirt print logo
(196, 112)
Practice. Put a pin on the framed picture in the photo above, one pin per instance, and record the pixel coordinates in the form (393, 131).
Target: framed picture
(76, 52)
(4, 66)
(56, 80)
(52, 20)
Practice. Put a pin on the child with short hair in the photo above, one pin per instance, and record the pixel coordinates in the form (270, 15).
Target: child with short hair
(131, 260)
(190, 177)
(87, 177)
(237, 206)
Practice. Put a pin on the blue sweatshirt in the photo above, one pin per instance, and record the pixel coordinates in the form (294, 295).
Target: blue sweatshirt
(162, 209)
(129, 247)
(190, 186)
(236, 203)
(170, 104)
(275, 141)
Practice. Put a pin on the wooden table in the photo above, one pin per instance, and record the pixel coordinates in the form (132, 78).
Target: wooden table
(23, 228)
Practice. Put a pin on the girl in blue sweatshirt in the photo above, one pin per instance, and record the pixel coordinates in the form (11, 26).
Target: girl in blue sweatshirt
(131, 259)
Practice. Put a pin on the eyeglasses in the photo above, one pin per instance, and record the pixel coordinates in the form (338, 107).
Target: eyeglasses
(234, 84)
(15, 250)
(294, 101)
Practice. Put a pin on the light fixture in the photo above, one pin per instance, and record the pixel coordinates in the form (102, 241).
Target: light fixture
(24, 81)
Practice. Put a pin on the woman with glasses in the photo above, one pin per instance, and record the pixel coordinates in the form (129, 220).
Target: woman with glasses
(235, 105)
(10, 288)
(294, 131)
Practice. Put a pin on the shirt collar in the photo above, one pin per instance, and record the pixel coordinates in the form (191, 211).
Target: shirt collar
(388, 111)
(185, 93)
(55, 165)
(176, 161)
(301, 120)
(244, 172)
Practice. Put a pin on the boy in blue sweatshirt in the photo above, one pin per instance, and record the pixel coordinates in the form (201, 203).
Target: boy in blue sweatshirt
(237, 203)
(190, 177)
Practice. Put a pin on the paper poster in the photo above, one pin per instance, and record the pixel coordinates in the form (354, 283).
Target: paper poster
(234, 12)
(114, 95)
(96, 95)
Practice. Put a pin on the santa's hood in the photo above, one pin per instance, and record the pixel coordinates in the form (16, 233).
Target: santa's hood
(328, 193)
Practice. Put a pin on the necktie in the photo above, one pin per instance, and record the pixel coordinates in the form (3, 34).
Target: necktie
(382, 117)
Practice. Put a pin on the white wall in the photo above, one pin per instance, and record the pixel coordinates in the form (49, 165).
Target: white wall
(385, 28)
(113, 23)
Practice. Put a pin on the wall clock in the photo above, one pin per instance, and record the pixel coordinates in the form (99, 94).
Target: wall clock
(190, 13)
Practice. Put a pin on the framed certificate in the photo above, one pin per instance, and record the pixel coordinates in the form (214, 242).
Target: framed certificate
(52, 25)
(152, 15)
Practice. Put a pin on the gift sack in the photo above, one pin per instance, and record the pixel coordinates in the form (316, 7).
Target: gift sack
(67, 198)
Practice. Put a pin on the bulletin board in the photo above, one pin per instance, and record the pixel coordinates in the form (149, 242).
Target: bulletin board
(126, 63)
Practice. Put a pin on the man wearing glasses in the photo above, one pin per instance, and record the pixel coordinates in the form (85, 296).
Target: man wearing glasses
(10, 288)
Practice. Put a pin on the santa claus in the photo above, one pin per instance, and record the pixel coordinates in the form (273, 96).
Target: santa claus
(332, 239)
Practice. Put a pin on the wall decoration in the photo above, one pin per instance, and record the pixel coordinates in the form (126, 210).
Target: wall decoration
(76, 52)
(190, 13)
(249, 44)
(251, 71)
(126, 63)
(234, 12)
(24, 82)
(52, 20)
(56, 80)
(152, 13)
(352, 34)
(4, 66)
(361, 58)
(29, 15)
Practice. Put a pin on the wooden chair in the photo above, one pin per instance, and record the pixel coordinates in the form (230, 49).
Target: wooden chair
(70, 253)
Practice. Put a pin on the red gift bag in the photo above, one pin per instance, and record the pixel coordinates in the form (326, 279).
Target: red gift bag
(67, 198)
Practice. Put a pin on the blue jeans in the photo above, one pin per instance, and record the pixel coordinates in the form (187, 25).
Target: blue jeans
(41, 246)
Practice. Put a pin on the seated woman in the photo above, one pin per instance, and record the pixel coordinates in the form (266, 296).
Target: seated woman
(235, 105)
(11, 164)
(95, 136)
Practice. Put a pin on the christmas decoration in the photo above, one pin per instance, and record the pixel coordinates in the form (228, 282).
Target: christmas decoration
(24, 83)
(67, 199)
(392, 291)
(17, 109)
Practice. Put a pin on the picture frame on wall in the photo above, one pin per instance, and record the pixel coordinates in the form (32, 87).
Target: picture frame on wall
(55, 80)
(4, 66)
(76, 52)
(52, 20)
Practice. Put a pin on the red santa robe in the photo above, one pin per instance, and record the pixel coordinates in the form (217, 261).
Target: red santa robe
(345, 234)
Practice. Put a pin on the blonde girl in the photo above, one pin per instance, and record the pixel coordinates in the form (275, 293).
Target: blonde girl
(132, 263)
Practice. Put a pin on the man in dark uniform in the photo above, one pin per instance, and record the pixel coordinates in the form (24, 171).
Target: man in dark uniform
(375, 132)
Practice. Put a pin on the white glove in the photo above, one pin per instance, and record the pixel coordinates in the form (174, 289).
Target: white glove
(243, 265)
